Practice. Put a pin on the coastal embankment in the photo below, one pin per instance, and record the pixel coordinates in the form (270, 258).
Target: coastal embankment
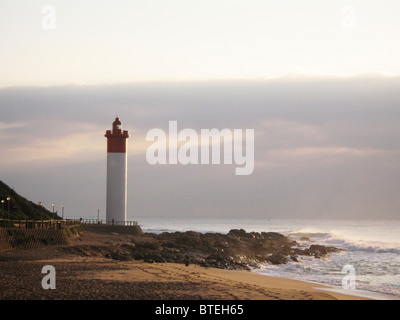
(14, 238)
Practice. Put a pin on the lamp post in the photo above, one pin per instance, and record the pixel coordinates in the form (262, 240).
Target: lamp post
(41, 210)
(98, 215)
(2, 207)
(62, 208)
(8, 199)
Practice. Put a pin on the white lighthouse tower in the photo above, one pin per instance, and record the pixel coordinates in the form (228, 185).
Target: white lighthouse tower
(116, 174)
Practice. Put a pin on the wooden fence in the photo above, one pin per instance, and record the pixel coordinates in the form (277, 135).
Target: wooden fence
(59, 223)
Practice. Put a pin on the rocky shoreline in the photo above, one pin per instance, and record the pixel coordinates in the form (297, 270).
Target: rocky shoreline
(237, 250)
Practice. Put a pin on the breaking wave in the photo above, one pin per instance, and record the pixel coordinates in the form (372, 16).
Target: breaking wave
(347, 243)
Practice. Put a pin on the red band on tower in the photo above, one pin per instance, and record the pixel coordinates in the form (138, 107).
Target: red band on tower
(116, 138)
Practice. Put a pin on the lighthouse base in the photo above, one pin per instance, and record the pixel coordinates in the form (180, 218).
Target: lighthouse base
(116, 189)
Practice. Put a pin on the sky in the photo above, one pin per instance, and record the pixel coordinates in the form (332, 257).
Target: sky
(317, 81)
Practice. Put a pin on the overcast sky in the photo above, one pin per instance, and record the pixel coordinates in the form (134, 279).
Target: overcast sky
(318, 81)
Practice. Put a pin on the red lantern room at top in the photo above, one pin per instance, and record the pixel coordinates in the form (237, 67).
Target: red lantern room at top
(116, 138)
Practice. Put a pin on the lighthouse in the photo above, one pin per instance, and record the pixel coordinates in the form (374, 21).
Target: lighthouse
(116, 174)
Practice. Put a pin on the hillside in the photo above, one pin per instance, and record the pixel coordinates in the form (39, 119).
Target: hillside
(20, 207)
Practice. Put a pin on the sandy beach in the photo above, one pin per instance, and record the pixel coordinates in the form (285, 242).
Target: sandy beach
(91, 278)
(82, 272)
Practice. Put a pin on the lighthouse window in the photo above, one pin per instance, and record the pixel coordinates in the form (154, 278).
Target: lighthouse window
(119, 126)
(120, 141)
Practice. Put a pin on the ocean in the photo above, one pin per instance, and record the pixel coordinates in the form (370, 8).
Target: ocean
(371, 247)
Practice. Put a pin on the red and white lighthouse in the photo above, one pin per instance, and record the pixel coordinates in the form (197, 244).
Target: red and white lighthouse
(116, 174)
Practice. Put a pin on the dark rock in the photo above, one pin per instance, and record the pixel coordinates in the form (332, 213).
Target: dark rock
(277, 258)
(317, 250)
(273, 236)
(236, 250)
(237, 233)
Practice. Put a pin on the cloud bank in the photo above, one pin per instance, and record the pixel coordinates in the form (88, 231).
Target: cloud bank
(324, 147)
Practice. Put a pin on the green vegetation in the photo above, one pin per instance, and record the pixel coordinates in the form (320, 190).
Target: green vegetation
(20, 207)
